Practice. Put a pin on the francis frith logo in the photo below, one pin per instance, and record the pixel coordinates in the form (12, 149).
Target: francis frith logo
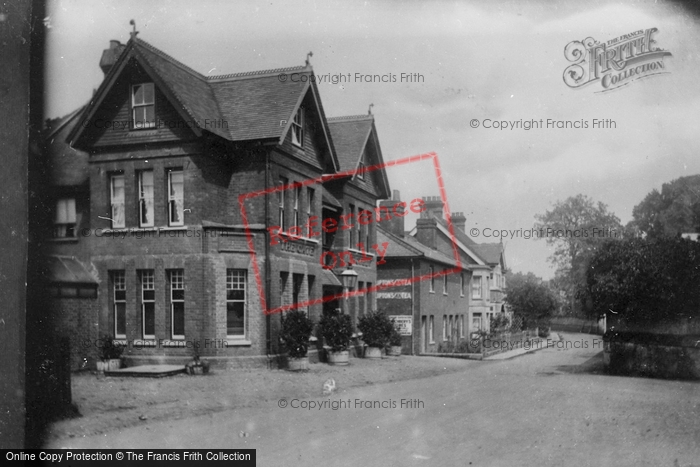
(615, 63)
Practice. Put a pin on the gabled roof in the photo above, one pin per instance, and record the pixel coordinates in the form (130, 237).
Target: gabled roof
(463, 241)
(253, 105)
(493, 253)
(409, 247)
(67, 166)
(351, 137)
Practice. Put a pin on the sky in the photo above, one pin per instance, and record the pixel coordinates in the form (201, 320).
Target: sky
(476, 60)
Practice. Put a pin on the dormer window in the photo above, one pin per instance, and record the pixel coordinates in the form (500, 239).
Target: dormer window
(143, 105)
(298, 128)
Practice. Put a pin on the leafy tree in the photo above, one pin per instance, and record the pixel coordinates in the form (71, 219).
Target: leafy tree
(531, 298)
(576, 227)
(672, 211)
(646, 281)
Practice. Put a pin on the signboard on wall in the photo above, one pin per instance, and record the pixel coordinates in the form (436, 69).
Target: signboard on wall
(404, 323)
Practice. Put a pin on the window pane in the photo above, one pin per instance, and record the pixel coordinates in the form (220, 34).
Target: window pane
(137, 94)
(235, 318)
(178, 319)
(235, 295)
(149, 319)
(147, 212)
(149, 295)
(148, 93)
(149, 114)
(178, 294)
(120, 318)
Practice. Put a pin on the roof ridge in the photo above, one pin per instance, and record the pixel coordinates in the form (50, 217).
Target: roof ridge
(351, 117)
(173, 60)
(247, 74)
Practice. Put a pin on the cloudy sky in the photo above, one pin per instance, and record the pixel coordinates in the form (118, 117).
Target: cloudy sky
(478, 60)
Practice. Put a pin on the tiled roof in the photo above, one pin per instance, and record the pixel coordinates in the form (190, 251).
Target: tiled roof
(67, 165)
(67, 269)
(408, 247)
(257, 105)
(349, 137)
(490, 252)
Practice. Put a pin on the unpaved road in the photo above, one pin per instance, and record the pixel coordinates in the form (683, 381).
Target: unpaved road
(550, 407)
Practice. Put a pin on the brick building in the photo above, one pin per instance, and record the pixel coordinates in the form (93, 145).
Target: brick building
(165, 155)
(443, 307)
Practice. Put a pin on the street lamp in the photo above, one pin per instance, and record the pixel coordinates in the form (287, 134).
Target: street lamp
(348, 278)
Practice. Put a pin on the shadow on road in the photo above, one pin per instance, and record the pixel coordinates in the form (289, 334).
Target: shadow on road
(592, 366)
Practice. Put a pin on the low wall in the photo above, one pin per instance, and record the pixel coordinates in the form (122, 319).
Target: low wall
(656, 355)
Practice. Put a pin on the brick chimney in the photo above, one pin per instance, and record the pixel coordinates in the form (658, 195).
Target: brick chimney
(433, 207)
(111, 55)
(459, 220)
(396, 224)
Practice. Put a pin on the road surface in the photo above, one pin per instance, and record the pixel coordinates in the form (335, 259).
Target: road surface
(551, 407)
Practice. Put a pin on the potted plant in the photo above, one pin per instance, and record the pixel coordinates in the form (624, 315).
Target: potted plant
(376, 330)
(394, 341)
(110, 354)
(197, 366)
(296, 330)
(336, 329)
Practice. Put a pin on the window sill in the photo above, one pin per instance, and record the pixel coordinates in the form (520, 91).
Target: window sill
(64, 239)
(179, 342)
(237, 342)
(295, 239)
(146, 342)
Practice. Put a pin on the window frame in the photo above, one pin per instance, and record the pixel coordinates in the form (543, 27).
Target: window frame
(65, 227)
(431, 329)
(143, 198)
(172, 198)
(242, 279)
(431, 271)
(477, 292)
(114, 200)
(118, 285)
(298, 128)
(444, 281)
(297, 202)
(144, 301)
(281, 201)
(143, 105)
(461, 284)
(172, 273)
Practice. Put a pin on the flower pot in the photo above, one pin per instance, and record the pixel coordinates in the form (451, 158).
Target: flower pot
(114, 364)
(373, 352)
(339, 358)
(394, 350)
(102, 366)
(298, 364)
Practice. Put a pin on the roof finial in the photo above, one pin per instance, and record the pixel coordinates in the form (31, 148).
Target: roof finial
(369, 112)
(134, 31)
(308, 56)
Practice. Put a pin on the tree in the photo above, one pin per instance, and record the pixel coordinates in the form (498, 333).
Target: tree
(576, 228)
(531, 298)
(670, 212)
(646, 281)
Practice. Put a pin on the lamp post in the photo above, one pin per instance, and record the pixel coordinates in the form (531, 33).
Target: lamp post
(348, 278)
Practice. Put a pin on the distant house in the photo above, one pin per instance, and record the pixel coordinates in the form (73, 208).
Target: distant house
(148, 178)
(445, 307)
